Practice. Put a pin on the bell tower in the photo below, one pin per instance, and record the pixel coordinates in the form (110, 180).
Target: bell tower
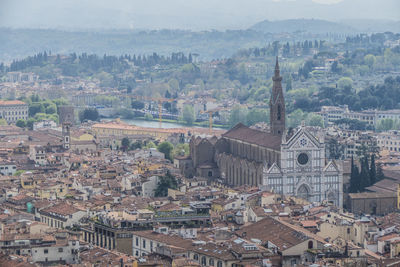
(277, 104)
(66, 133)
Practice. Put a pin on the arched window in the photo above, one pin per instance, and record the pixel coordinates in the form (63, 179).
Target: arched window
(279, 113)
(196, 257)
(203, 261)
(219, 264)
(310, 244)
(303, 192)
(211, 262)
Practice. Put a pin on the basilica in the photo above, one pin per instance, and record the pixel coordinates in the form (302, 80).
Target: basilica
(286, 163)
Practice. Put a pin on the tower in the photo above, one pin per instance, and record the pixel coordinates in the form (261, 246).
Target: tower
(66, 114)
(66, 134)
(277, 104)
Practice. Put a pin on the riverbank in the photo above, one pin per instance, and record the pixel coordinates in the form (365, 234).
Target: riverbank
(154, 123)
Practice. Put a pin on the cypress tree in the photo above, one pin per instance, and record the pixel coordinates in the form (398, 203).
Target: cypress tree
(354, 178)
(364, 174)
(379, 172)
(372, 171)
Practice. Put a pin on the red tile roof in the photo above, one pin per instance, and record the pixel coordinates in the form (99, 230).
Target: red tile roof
(243, 133)
(11, 102)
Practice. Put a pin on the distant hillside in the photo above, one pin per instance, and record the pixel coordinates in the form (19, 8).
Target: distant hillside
(303, 25)
(373, 25)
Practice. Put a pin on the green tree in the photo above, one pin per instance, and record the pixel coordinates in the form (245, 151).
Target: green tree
(345, 82)
(89, 114)
(315, 120)
(386, 125)
(125, 142)
(370, 60)
(136, 145)
(36, 108)
(165, 182)
(238, 114)
(355, 183)
(51, 109)
(335, 149)
(364, 174)
(188, 115)
(21, 123)
(3, 122)
(256, 115)
(289, 83)
(173, 84)
(150, 144)
(295, 118)
(148, 116)
(136, 104)
(379, 172)
(166, 148)
(372, 171)
(180, 149)
(29, 123)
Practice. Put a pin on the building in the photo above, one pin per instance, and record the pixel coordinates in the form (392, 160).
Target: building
(119, 129)
(279, 237)
(239, 156)
(389, 141)
(13, 110)
(7, 168)
(367, 116)
(16, 76)
(331, 114)
(146, 242)
(277, 104)
(372, 203)
(38, 154)
(61, 215)
(44, 124)
(45, 249)
(303, 170)
(246, 156)
(393, 114)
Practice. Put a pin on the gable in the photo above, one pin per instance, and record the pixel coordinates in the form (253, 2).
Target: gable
(331, 167)
(274, 169)
(303, 140)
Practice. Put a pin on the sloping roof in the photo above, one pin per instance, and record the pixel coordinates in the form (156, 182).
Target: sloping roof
(63, 209)
(384, 186)
(395, 175)
(243, 133)
(11, 102)
(269, 229)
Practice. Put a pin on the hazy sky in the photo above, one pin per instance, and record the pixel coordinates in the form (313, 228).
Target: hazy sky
(184, 14)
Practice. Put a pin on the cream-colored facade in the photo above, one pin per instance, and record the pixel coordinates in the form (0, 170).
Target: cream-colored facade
(13, 110)
(118, 128)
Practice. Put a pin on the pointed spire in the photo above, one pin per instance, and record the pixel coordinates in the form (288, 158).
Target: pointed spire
(277, 74)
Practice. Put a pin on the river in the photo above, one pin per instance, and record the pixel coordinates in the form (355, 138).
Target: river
(155, 124)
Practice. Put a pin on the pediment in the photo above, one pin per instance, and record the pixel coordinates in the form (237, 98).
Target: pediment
(303, 139)
(274, 169)
(331, 167)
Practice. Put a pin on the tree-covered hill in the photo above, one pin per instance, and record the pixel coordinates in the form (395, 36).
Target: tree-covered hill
(20, 43)
(316, 26)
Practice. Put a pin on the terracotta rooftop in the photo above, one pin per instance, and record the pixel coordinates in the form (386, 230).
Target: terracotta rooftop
(11, 102)
(62, 209)
(243, 133)
(269, 229)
